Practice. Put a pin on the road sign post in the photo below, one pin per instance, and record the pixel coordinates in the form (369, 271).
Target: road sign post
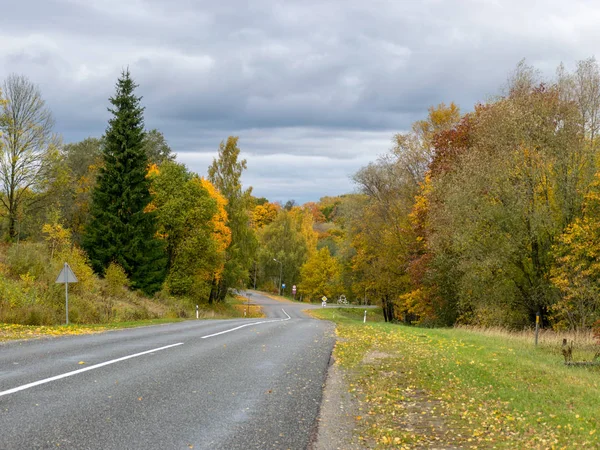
(66, 276)
(294, 291)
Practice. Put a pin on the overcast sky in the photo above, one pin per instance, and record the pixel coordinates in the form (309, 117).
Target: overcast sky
(314, 89)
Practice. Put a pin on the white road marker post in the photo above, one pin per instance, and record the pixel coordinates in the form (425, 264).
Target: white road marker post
(365, 318)
(197, 314)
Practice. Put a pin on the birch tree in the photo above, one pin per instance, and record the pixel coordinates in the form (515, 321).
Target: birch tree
(26, 139)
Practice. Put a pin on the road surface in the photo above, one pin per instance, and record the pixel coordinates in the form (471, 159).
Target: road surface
(219, 384)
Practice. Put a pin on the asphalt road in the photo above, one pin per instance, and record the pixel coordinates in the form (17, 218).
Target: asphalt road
(218, 384)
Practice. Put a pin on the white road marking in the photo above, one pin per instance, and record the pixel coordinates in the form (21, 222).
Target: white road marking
(85, 369)
(249, 325)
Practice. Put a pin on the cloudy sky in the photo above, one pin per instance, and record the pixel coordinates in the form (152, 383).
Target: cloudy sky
(314, 89)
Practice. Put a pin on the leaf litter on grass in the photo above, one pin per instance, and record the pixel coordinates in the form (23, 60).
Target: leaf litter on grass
(456, 389)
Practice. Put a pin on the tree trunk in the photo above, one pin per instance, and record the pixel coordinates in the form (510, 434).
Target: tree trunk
(213, 291)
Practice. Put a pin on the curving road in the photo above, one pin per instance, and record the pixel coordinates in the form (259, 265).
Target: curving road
(219, 384)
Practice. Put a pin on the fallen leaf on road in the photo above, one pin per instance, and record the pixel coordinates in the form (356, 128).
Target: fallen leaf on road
(81, 362)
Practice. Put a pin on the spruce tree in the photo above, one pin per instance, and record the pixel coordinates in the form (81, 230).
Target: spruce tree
(121, 228)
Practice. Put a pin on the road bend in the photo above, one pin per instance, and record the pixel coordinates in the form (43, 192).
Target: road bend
(206, 384)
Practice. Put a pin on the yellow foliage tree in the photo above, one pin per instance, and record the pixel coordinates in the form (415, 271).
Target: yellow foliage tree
(56, 236)
(263, 215)
(320, 276)
(576, 271)
(305, 225)
(221, 232)
(62, 251)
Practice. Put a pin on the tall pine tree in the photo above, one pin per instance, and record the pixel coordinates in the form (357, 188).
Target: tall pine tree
(121, 228)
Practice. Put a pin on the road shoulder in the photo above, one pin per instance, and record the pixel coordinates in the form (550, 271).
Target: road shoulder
(336, 422)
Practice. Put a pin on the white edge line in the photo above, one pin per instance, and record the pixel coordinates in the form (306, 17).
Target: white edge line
(85, 369)
(248, 325)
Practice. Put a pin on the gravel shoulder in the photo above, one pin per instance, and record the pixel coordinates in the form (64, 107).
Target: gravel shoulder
(336, 420)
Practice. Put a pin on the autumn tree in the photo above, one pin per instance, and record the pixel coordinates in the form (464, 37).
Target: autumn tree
(383, 235)
(320, 276)
(121, 229)
(318, 216)
(576, 272)
(192, 223)
(264, 214)
(225, 174)
(80, 162)
(290, 240)
(26, 145)
(497, 206)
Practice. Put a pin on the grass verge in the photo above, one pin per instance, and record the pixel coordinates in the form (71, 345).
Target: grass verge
(9, 332)
(245, 308)
(232, 308)
(458, 388)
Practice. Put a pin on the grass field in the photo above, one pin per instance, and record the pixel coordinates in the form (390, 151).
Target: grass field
(460, 388)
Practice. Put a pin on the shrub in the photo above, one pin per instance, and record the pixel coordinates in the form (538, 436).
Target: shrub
(116, 279)
(78, 260)
(28, 258)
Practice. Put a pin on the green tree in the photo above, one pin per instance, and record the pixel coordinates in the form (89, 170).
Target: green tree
(287, 240)
(121, 230)
(156, 147)
(185, 212)
(225, 174)
(503, 199)
(80, 164)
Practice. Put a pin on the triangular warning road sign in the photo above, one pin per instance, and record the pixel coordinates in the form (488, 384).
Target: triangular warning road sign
(66, 275)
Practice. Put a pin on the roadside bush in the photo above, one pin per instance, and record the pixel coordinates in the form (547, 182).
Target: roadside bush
(116, 279)
(27, 258)
(30, 315)
(78, 261)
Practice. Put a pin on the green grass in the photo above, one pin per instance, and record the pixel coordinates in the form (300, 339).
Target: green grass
(453, 387)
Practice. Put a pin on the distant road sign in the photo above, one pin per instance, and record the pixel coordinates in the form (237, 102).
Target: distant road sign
(294, 289)
(66, 275)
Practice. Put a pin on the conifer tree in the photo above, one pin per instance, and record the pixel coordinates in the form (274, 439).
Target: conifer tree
(122, 227)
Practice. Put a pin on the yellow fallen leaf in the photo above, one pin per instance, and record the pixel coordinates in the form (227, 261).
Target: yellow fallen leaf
(81, 362)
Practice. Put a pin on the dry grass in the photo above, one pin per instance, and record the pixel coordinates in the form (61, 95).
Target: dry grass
(585, 345)
(251, 311)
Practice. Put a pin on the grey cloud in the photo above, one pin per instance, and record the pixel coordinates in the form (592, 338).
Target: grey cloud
(310, 78)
